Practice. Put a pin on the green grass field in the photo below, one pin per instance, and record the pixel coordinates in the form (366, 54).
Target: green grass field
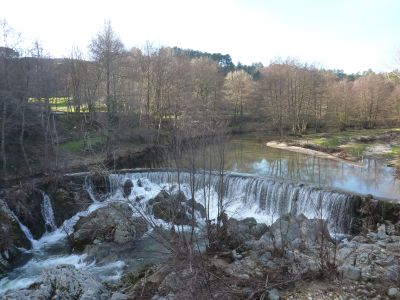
(64, 104)
(80, 145)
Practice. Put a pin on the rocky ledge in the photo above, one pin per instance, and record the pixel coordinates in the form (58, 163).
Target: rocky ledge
(113, 223)
(63, 282)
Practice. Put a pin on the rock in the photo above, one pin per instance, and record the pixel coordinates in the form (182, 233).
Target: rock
(375, 258)
(26, 202)
(351, 272)
(11, 238)
(113, 223)
(265, 257)
(243, 232)
(100, 184)
(393, 292)
(273, 294)
(127, 187)
(300, 263)
(382, 232)
(67, 201)
(119, 296)
(258, 230)
(298, 231)
(62, 282)
(175, 208)
(171, 211)
(197, 206)
(242, 276)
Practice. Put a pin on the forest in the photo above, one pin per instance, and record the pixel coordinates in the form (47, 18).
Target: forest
(50, 105)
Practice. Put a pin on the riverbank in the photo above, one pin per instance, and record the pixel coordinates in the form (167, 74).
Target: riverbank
(320, 154)
(351, 146)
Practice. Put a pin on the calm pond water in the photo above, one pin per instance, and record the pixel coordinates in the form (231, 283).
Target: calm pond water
(248, 154)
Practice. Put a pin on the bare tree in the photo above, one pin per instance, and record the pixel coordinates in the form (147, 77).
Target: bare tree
(238, 87)
(106, 48)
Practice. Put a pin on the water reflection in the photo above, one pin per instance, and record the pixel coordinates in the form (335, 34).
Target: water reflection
(250, 155)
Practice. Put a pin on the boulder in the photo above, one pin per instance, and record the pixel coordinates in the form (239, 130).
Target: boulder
(11, 238)
(298, 232)
(244, 231)
(127, 187)
(113, 223)
(62, 282)
(175, 209)
(67, 201)
(25, 202)
(393, 293)
(197, 207)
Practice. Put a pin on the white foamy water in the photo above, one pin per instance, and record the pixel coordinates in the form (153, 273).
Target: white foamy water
(48, 214)
(51, 250)
(242, 196)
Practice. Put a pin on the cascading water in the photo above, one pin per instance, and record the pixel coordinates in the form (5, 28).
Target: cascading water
(249, 196)
(48, 214)
(243, 196)
(51, 250)
(24, 229)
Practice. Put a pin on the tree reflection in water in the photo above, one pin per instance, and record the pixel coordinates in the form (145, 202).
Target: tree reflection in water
(250, 155)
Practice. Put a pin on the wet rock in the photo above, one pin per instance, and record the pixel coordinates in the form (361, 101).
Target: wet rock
(62, 282)
(175, 208)
(100, 184)
(197, 207)
(26, 202)
(139, 183)
(170, 210)
(113, 223)
(67, 200)
(127, 188)
(11, 238)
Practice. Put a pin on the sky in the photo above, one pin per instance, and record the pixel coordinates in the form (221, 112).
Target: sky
(351, 35)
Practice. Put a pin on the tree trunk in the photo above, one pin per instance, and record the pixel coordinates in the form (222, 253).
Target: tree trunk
(3, 138)
(21, 140)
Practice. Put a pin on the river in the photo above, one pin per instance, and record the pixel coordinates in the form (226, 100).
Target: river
(249, 154)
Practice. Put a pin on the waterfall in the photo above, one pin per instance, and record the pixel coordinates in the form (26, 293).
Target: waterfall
(89, 189)
(23, 228)
(48, 213)
(262, 198)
